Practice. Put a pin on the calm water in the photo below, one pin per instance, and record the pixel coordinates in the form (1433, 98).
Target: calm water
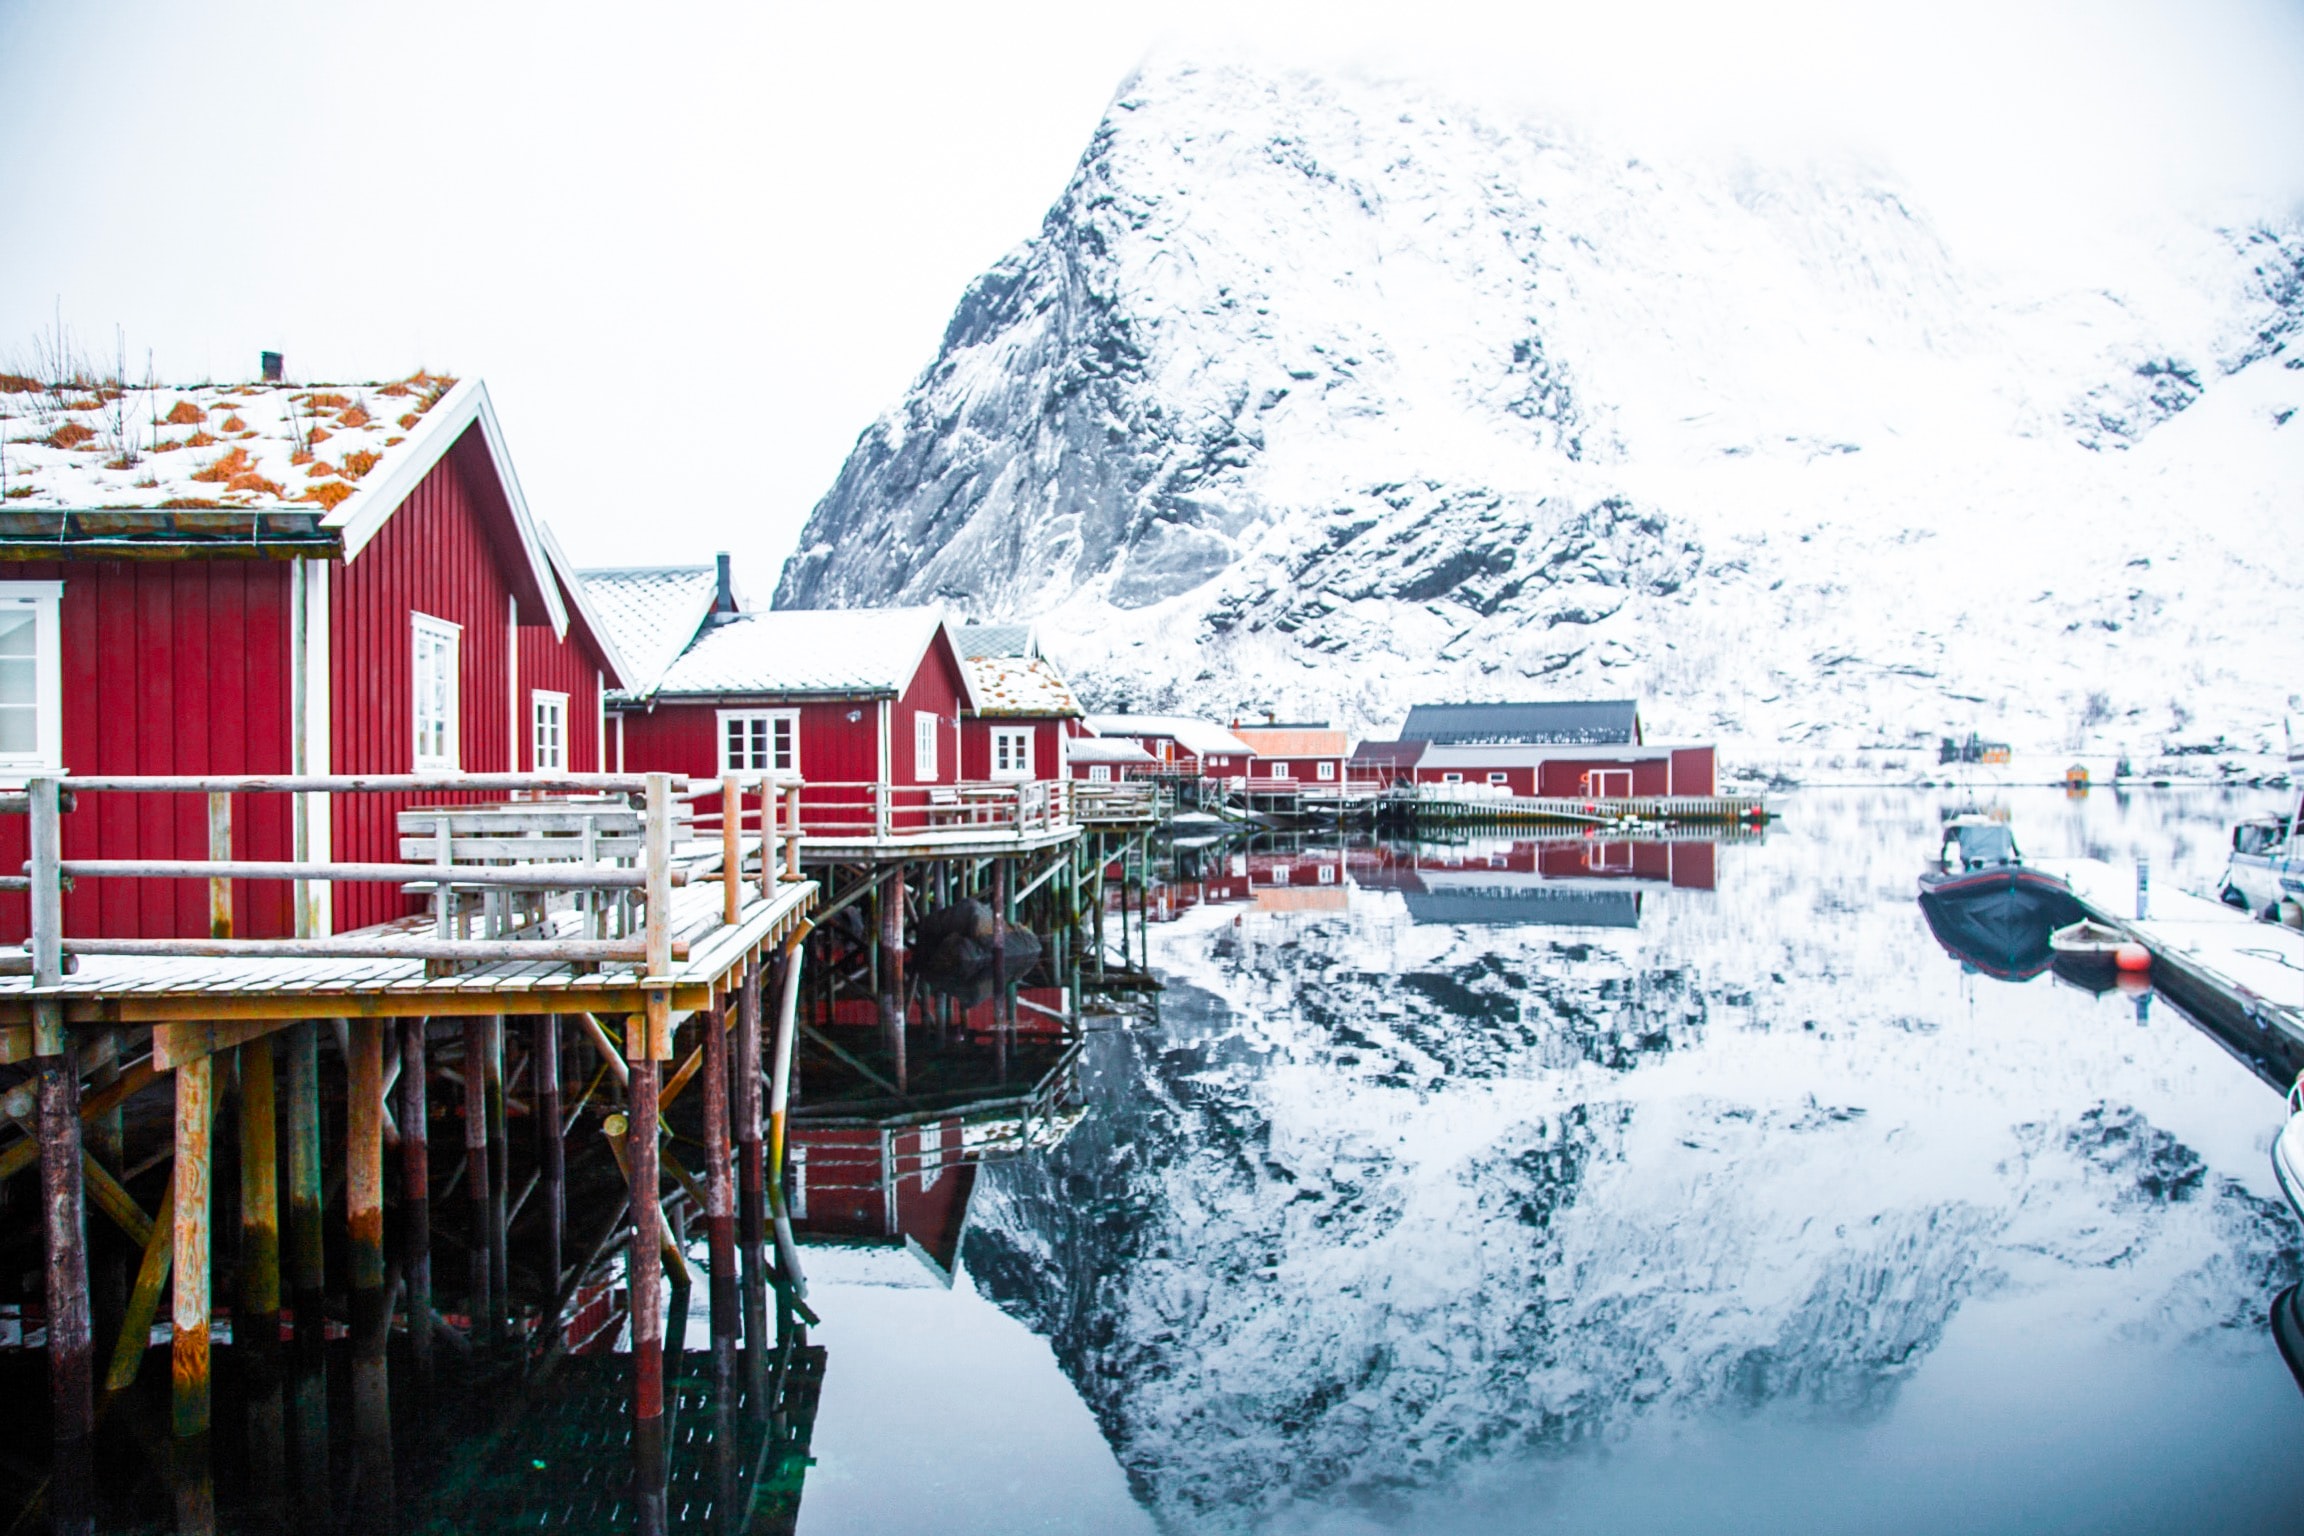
(1433, 1195)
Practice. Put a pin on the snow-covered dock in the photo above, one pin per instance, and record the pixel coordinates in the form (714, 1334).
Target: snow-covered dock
(1441, 805)
(2218, 963)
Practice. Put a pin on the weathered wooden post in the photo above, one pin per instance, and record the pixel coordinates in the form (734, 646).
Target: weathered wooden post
(719, 1178)
(307, 1249)
(751, 1173)
(189, 1308)
(779, 1100)
(259, 1321)
(416, 1189)
(552, 1160)
(499, 1180)
(999, 942)
(646, 1270)
(732, 850)
(71, 1382)
(371, 1303)
(481, 1267)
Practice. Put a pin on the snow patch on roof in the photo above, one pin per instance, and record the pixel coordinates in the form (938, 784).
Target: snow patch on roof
(651, 613)
(207, 445)
(1294, 741)
(1101, 749)
(1194, 735)
(841, 651)
(1020, 685)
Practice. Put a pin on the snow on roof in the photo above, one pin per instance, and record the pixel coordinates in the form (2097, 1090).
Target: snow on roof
(651, 613)
(620, 674)
(1106, 749)
(1019, 685)
(1294, 740)
(977, 641)
(1577, 723)
(1196, 736)
(842, 652)
(286, 446)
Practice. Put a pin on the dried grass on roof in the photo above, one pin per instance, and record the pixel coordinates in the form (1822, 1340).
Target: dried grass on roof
(184, 414)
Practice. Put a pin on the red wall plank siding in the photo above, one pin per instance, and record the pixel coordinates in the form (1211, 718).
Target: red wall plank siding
(1048, 733)
(1693, 771)
(167, 667)
(437, 555)
(570, 666)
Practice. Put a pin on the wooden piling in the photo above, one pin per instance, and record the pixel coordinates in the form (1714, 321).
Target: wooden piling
(499, 1178)
(552, 1159)
(307, 1249)
(999, 942)
(719, 1174)
(646, 1270)
(482, 1304)
(751, 1172)
(257, 1327)
(416, 1189)
(190, 1308)
(64, 1212)
(364, 1185)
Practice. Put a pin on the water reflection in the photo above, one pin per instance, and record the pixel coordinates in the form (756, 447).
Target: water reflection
(1395, 1209)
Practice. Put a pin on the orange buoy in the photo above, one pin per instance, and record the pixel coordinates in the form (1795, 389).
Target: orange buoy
(2132, 957)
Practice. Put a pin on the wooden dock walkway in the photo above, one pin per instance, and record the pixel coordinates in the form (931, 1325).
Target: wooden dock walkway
(2217, 962)
(1440, 806)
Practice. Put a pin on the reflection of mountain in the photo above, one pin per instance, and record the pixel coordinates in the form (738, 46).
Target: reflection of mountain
(1376, 1203)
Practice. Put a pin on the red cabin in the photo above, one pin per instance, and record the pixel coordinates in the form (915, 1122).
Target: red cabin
(1181, 745)
(269, 578)
(1586, 751)
(864, 706)
(1292, 759)
(1025, 719)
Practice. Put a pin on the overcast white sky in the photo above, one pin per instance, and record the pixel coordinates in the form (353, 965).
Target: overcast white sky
(695, 249)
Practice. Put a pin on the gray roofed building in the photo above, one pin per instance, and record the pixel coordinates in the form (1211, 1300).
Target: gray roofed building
(979, 641)
(1583, 723)
(807, 652)
(651, 613)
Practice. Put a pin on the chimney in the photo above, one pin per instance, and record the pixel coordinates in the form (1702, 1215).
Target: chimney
(724, 598)
(274, 366)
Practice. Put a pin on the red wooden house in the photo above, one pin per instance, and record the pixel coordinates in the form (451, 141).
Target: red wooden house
(273, 579)
(1293, 758)
(1025, 719)
(1578, 750)
(1181, 745)
(863, 705)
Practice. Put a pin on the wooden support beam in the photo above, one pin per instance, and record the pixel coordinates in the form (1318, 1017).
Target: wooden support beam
(552, 1157)
(144, 1299)
(259, 1318)
(416, 1187)
(779, 1101)
(71, 1343)
(657, 932)
(649, 1443)
(500, 1181)
(751, 1175)
(719, 1173)
(731, 851)
(307, 1247)
(610, 1056)
(190, 1307)
(104, 1100)
(481, 1271)
(364, 1183)
(107, 1195)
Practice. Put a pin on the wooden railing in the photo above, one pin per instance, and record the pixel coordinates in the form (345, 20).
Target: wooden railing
(613, 854)
(1095, 800)
(839, 810)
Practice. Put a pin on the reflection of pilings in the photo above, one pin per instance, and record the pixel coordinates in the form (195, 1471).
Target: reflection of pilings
(646, 1270)
(476, 1160)
(416, 1191)
(552, 1153)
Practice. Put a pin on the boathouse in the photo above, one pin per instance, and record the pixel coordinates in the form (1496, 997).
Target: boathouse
(1582, 749)
(1107, 759)
(1383, 764)
(1025, 717)
(266, 578)
(1291, 759)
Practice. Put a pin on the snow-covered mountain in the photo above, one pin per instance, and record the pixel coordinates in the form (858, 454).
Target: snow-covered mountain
(1377, 1208)
(1328, 396)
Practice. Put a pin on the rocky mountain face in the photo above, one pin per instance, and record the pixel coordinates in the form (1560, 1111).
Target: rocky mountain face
(1327, 396)
(1375, 1209)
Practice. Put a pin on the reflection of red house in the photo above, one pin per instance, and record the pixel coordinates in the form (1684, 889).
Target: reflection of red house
(905, 1184)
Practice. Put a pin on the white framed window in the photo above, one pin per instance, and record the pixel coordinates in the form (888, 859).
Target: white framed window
(1012, 754)
(1278, 770)
(31, 677)
(1327, 874)
(549, 731)
(759, 741)
(438, 647)
(1499, 778)
(1451, 778)
(1099, 773)
(1327, 770)
(924, 723)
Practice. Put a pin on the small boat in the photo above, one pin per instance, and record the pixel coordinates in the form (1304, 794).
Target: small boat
(2288, 1331)
(1987, 907)
(2288, 1150)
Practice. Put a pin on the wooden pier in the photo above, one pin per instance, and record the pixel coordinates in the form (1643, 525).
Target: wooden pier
(588, 919)
(1440, 805)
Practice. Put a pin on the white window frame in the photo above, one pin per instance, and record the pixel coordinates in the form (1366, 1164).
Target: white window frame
(543, 705)
(45, 599)
(423, 628)
(1014, 744)
(1496, 777)
(1099, 773)
(1328, 770)
(924, 726)
(1276, 771)
(1451, 778)
(780, 760)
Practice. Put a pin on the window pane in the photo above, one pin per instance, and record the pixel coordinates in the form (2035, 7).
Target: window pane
(19, 680)
(18, 634)
(19, 729)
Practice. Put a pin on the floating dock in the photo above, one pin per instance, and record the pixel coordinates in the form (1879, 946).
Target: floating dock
(2219, 964)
